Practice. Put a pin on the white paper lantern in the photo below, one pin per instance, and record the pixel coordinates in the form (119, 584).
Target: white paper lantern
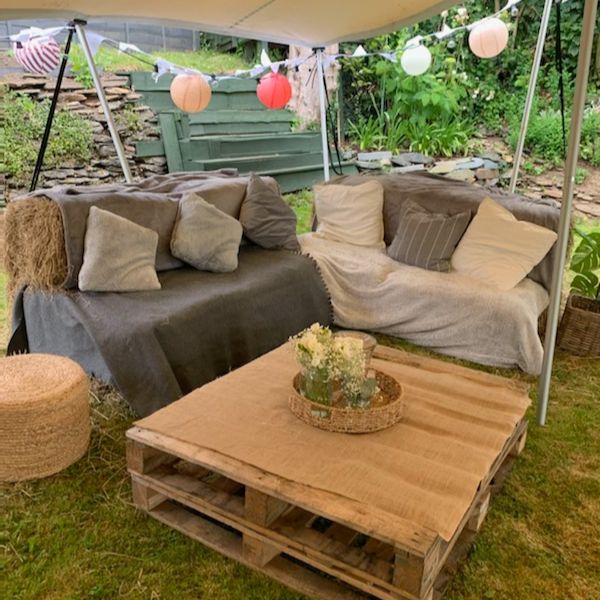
(489, 38)
(416, 60)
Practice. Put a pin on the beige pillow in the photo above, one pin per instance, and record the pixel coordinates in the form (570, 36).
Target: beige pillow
(350, 213)
(205, 237)
(118, 255)
(499, 249)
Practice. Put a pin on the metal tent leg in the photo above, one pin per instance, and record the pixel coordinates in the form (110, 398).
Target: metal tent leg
(583, 67)
(535, 69)
(44, 143)
(324, 141)
(114, 134)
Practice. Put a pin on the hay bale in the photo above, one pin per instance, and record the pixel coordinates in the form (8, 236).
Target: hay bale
(35, 252)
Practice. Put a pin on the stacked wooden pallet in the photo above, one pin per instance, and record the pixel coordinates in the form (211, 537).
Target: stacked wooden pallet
(235, 131)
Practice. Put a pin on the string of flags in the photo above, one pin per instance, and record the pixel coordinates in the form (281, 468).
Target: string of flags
(37, 51)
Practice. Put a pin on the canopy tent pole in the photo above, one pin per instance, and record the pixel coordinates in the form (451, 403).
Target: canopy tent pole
(114, 134)
(48, 128)
(583, 67)
(324, 141)
(535, 69)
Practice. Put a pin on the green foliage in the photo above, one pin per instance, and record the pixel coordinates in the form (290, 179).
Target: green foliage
(111, 60)
(490, 93)
(129, 118)
(545, 137)
(423, 114)
(580, 175)
(24, 121)
(586, 264)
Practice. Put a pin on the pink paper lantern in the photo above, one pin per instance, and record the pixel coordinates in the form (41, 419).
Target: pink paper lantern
(274, 90)
(489, 38)
(40, 56)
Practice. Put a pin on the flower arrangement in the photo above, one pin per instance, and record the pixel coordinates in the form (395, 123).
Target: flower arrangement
(334, 369)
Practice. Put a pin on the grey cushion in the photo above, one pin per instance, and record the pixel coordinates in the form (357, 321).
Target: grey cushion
(267, 220)
(205, 237)
(427, 240)
(118, 255)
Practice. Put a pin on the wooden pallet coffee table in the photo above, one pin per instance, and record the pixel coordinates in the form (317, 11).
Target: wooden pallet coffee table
(229, 466)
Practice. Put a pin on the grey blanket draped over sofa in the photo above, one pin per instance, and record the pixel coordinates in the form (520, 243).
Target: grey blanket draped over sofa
(156, 346)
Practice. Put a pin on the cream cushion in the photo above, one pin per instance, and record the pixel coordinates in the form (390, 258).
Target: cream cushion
(499, 249)
(350, 214)
(118, 255)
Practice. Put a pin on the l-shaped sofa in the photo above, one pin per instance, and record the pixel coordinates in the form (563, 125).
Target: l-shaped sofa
(155, 346)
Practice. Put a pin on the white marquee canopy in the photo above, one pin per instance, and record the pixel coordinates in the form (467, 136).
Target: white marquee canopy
(312, 23)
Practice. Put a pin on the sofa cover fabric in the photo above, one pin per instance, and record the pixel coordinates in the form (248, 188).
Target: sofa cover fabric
(500, 250)
(443, 195)
(166, 343)
(447, 312)
(118, 255)
(267, 220)
(425, 239)
(205, 237)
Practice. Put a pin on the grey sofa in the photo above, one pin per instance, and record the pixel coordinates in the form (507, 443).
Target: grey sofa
(156, 346)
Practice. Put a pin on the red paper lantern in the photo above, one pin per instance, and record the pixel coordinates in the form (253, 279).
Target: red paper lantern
(38, 56)
(190, 93)
(274, 90)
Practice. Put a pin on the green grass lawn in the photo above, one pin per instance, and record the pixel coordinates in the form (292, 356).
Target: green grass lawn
(207, 61)
(77, 535)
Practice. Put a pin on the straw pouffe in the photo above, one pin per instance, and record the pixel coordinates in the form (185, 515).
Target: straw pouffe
(44, 415)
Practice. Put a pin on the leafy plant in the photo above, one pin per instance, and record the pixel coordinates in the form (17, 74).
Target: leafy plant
(586, 264)
(24, 120)
(367, 133)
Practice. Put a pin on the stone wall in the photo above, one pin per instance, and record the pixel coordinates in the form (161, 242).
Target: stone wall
(134, 120)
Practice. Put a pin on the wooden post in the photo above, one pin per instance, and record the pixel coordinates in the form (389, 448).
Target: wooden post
(262, 510)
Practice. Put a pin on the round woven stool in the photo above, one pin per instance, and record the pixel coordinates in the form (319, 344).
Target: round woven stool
(44, 415)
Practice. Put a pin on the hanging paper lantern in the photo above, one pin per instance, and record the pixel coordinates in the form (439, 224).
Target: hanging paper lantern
(38, 56)
(488, 38)
(416, 60)
(274, 90)
(190, 93)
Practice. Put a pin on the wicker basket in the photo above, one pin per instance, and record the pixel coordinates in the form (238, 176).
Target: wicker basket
(579, 331)
(351, 420)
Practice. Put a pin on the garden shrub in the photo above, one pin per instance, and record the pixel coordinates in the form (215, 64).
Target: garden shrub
(490, 94)
(545, 137)
(23, 127)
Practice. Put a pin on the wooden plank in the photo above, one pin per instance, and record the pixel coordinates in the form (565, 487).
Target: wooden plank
(386, 527)
(147, 148)
(264, 164)
(261, 508)
(293, 536)
(144, 497)
(242, 116)
(228, 543)
(237, 128)
(142, 458)
(170, 141)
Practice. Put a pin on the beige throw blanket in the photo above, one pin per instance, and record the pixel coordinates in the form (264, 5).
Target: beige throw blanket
(448, 312)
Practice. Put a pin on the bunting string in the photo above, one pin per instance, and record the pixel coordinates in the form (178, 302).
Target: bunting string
(161, 66)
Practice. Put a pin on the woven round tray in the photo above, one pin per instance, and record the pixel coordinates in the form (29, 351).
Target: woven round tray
(386, 409)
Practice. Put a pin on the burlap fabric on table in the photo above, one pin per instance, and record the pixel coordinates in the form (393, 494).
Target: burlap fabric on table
(44, 415)
(425, 469)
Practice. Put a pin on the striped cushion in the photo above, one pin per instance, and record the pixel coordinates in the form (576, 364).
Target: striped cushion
(425, 239)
